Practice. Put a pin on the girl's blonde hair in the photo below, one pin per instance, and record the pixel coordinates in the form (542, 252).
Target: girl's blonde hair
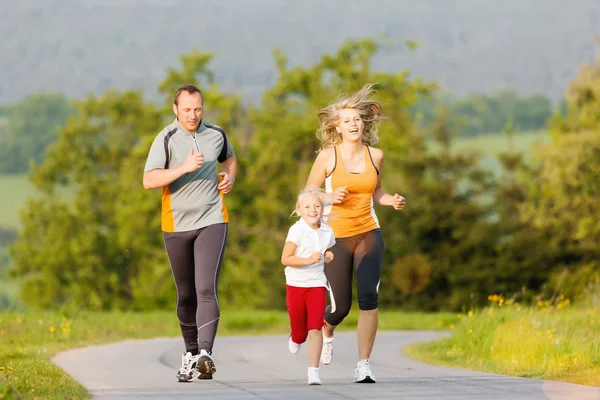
(305, 192)
(368, 109)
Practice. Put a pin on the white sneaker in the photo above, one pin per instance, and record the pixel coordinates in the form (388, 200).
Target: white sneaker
(327, 351)
(362, 373)
(205, 365)
(313, 376)
(188, 367)
(293, 347)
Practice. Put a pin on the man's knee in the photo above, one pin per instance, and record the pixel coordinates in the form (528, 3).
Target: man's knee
(186, 308)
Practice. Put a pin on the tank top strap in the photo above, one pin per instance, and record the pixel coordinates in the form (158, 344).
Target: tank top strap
(369, 159)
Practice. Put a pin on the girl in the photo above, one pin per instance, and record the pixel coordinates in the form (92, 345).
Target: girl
(305, 253)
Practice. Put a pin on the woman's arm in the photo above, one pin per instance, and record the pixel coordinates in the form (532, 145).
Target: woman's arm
(380, 196)
(317, 176)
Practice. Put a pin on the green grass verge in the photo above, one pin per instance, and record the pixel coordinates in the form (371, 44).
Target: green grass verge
(559, 343)
(29, 340)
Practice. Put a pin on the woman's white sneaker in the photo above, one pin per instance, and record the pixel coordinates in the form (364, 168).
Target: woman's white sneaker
(313, 376)
(362, 373)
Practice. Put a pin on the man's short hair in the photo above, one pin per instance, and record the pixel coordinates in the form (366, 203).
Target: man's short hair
(191, 89)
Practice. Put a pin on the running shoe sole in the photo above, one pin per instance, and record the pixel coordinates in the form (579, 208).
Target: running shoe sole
(206, 368)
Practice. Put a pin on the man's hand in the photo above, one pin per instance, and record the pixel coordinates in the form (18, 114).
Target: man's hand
(193, 162)
(225, 183)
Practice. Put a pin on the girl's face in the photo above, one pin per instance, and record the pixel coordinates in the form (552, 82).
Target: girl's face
(310, 209)
(350, 125)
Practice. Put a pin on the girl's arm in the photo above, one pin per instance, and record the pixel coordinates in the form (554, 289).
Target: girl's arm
(289, 259)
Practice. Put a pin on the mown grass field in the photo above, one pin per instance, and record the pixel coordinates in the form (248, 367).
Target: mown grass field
(28, 340)
(553, 342)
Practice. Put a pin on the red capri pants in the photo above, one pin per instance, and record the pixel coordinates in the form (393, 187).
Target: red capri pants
(306, 308)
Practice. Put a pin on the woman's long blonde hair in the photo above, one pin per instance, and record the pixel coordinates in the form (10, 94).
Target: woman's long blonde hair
(368, 109)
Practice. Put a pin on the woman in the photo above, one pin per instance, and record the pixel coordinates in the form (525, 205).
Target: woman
(351, 170)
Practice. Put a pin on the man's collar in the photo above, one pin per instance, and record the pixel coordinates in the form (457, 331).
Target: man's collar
(201, 126)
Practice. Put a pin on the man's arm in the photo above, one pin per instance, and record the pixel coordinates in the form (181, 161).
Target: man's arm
(229, 168)
(158, 178)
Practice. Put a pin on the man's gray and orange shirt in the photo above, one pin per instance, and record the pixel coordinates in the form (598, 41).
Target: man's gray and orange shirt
(192, 201)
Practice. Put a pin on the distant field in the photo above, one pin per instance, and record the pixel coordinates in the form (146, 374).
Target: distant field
(15, 190)
(490, 145)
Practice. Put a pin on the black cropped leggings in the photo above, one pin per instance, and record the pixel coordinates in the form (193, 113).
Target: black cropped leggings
(362, 253)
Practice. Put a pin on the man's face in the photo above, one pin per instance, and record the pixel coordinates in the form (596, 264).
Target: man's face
(189, 110)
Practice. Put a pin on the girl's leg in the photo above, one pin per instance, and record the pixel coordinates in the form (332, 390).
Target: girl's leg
(295, 302)
(316, 300)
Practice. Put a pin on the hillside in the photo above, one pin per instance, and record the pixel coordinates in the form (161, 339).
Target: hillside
(78, 47)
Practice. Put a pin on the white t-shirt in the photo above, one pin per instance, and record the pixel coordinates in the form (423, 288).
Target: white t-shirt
(308, 241)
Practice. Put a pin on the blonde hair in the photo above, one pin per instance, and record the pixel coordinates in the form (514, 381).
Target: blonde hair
(368, 109)
(305, 192)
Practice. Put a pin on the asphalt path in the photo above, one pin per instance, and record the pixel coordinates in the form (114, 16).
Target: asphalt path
(261, 367)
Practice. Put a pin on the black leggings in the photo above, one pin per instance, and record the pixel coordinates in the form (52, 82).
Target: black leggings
(195, 258)
(363, 253)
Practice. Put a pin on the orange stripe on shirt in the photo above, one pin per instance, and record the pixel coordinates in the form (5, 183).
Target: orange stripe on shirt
(224, 208)
(167, 221)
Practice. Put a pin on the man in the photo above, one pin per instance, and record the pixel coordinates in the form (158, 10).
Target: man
(183, 162)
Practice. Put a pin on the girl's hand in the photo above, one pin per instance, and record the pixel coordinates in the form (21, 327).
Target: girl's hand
(314, 258)
(328, 256)
(398, 202)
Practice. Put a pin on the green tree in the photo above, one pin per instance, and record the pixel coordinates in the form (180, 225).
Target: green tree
(93, 239)
(444, 228)
(563, 194)
(284, 145)
(31, 126)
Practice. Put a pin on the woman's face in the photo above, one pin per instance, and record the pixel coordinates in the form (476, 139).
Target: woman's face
(350, 125)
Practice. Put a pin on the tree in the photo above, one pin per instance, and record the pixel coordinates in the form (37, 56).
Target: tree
(31, 126)
(284, 145)
(93, 239)
(442, 239)
(563, 194)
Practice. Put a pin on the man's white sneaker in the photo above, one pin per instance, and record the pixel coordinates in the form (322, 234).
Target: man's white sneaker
(293, 347)
(313, 376)
(205, 365)
(188, 366)
(327, 350)
(362, 373)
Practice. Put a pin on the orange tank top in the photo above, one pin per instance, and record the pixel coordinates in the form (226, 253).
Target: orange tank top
(355, 215)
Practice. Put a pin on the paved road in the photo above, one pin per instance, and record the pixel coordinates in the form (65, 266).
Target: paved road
(260, 367)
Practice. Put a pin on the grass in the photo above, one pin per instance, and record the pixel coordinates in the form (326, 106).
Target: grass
(553, 342)
(29, 340)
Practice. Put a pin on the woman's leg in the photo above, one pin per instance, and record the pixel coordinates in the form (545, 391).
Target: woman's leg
(368, 260)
